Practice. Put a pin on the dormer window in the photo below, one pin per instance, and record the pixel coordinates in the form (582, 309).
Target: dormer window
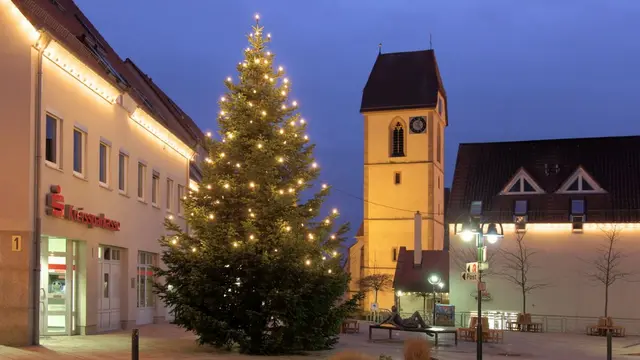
(520, 214)
(577, 216)
(580, 182)
(522, 183)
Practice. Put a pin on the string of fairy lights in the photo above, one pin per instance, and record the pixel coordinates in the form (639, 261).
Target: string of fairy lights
(257, 58)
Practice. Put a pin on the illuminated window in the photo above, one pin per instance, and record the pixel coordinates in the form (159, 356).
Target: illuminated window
(79, 152)
(52, 140)
(397, 140)
(145, 294)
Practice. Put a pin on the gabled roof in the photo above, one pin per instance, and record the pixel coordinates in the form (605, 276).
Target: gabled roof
(66, 23)
(403, 80)
(522, 183)
(580, 183)
(410, 278)
(483, 169)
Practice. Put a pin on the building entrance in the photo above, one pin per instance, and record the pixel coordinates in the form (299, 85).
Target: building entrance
(58, 289)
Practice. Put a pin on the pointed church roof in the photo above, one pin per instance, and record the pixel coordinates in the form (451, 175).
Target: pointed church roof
(403, 80)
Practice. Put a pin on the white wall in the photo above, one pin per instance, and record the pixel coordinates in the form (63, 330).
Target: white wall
(562, 261)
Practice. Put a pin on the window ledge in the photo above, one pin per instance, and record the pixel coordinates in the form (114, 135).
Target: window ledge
(80, 176)
(52, 166)
(142, 201)
(123, 193)
(105, 186)
(155, 206)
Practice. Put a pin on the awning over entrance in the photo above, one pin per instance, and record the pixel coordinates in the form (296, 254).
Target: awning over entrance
(415, 278)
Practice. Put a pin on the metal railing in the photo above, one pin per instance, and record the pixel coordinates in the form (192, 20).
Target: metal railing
(550, 323)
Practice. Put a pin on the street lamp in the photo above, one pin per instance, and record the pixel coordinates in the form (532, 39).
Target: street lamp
(434, 279)
(476, 229)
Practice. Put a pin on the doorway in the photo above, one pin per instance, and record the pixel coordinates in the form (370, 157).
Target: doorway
(58, 290)
(109, 283)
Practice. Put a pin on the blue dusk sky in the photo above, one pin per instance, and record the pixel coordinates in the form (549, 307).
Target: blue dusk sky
(513, 70)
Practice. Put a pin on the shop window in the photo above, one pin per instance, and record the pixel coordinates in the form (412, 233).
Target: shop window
(145, 294)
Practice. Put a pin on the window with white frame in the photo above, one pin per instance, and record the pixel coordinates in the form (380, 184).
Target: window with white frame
(180, 196)
(146, 296)
(155, 188)
(52, 140)
(79, 152)
(169, 195)
(142, 175)
(103, 172)
(522, 183)
(123, 162)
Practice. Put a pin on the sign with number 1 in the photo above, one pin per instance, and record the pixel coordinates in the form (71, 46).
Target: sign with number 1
(16, 243)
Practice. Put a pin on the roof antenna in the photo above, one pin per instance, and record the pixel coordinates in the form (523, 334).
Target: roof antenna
(380, 49)
(430, 42)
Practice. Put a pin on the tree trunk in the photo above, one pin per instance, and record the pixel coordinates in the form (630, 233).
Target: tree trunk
(606, 300)
(524, 301)
(375, 300)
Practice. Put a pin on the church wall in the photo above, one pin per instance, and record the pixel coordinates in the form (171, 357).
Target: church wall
(562, 262)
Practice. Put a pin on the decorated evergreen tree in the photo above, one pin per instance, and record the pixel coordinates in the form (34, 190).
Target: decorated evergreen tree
(260, 266)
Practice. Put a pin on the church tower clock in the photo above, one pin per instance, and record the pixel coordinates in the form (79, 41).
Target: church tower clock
(404, 105)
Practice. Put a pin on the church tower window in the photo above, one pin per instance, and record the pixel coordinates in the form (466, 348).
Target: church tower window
(397, 140)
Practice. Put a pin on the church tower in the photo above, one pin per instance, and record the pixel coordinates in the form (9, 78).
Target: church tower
(404, 105)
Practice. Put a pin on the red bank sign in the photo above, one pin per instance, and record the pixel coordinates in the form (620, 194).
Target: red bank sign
(57, 208)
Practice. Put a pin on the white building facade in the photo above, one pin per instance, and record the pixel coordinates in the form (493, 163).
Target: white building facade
(96, 158)
(573, 205)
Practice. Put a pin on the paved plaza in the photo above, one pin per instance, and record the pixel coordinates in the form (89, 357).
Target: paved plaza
(169, 342)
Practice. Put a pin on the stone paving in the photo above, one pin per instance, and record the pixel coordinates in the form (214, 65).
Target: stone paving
(165, 341)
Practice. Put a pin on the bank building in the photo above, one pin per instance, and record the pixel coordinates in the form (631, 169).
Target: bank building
(99, 157)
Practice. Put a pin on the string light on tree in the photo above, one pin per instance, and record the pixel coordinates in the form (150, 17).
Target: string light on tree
(260, 165)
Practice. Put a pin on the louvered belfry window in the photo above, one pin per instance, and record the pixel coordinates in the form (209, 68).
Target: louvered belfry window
(397, 141)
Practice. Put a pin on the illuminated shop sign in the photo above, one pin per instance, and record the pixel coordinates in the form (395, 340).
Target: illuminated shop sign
(57, 208)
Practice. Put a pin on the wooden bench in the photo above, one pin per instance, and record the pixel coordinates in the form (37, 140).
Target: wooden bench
(435, 331)
(604, 325)
(350, 327)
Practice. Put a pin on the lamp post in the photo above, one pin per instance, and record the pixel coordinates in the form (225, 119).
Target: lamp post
(434, 279)
(480, 231)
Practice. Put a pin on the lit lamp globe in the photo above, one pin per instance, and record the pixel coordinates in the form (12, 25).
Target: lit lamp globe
(492, 235)
(467, 232)
(434, 279)
(441, 285)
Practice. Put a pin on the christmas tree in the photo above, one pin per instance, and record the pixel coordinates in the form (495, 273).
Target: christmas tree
(260, 267)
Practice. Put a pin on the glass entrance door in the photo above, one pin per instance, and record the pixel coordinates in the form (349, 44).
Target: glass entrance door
(57, 286)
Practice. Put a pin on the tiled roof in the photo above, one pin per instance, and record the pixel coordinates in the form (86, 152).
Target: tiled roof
(66, 23)
(410, 278)
(403, 80)
(484, 169)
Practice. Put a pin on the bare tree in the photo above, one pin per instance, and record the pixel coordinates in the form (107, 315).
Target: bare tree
(517, 266)
(462, 255)
(606, 265)
(376, 282)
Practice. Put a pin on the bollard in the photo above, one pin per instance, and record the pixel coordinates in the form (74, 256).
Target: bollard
(609, 345)
(135, 344)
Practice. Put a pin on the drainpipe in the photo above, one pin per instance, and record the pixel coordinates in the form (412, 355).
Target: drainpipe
(34, 330)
